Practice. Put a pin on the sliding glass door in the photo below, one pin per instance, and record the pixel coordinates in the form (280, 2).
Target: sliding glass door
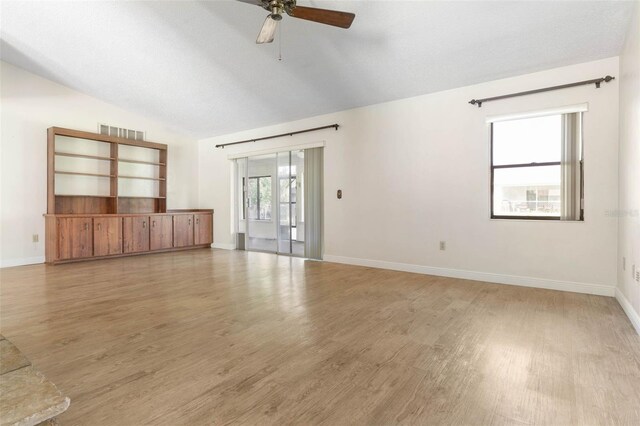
(290, 203)
(260, 214)
(270, 208)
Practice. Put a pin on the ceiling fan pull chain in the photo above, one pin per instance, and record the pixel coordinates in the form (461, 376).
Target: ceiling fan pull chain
(280, 42)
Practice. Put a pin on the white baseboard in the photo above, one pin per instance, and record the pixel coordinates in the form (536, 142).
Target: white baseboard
(224, 246)
(575, 287)
(628, 309)
(20, 262)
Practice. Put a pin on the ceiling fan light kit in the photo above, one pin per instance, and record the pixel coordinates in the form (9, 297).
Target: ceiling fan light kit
(277, 7)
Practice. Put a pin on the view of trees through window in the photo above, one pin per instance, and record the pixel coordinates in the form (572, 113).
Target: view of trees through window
(259, 198)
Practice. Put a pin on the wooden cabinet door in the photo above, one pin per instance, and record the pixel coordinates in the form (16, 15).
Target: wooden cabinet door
(107, 236)
(182, 230)
(161, 236)
(203, 231)
(75, 237)
(135, 234)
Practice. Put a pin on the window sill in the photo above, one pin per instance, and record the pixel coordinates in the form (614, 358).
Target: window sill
(524, 219)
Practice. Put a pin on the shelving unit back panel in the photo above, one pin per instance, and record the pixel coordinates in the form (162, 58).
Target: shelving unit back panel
(82, 146)
(82, 185)
(85, 205)
(140, 170)
(139, 205)
(137, 153)
(138, 188)
(82, 165)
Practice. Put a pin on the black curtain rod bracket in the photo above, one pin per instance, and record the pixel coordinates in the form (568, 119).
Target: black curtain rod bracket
(596, 81)
(331, 126)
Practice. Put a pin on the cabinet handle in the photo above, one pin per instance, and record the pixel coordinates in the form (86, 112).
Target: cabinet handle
(197, 221)
(144, 223)
(99, 227)
(189, 221)
(153, 223)
(86, 226)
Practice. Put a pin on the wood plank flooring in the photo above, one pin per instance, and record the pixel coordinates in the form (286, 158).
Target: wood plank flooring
(225, 337)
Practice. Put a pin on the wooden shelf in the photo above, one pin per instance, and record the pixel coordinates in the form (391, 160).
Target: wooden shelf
(152, 163)
(92, 196)
(59, 172)
(140, 177)
(137, 196)
(92, 157)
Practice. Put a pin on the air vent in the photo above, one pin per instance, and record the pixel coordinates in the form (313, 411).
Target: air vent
(120, 132)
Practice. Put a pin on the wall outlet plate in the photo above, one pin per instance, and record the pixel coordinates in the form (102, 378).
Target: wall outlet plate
(35, 238)
(624, 263)
(443, 245)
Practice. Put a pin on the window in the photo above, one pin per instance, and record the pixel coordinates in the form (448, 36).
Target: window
(259, 198)
(537, 168)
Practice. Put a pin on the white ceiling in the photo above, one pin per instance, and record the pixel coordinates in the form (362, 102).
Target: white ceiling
(195, 65)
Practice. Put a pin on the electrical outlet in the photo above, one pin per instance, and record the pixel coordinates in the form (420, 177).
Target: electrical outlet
(443, 245)
(624, 263)
(35, 238)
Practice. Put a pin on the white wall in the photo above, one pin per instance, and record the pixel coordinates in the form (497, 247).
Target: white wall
(629, 230)
(31, 104)
(416, 171)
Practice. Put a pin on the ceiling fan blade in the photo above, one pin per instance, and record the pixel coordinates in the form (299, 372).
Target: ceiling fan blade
(268, 31)
(323, 16)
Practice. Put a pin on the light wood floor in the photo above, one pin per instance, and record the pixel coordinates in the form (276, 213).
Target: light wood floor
(217, 337)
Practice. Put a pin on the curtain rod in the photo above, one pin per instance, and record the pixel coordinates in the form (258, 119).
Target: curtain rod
(335, 126)
(595, 81)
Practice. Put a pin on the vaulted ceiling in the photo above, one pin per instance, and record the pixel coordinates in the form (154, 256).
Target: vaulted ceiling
(195, 65)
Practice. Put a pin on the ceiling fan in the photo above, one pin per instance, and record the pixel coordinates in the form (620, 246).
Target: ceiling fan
(277, 7)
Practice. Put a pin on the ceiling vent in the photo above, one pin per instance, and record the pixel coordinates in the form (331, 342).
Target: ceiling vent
(120, 132)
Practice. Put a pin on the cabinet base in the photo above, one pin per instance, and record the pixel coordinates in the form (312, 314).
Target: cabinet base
(115, 256)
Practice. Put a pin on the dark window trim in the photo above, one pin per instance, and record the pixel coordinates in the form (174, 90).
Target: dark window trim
(534, 164)
(525, 217)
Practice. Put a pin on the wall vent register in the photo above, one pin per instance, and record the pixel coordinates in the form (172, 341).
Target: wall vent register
(120, 132)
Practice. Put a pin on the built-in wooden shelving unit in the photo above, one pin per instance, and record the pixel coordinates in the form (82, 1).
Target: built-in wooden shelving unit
(107, 197)
(95, 180)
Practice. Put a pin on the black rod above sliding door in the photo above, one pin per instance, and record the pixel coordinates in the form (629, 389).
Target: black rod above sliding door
(334, 126)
